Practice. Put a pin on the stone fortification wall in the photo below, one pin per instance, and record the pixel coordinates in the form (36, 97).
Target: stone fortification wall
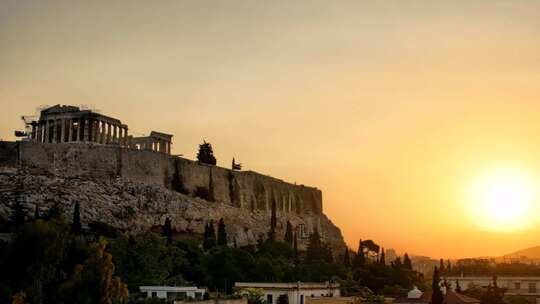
(244, 189)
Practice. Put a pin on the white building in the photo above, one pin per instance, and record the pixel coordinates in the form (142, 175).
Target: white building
(515, 286)
(296, 292)
(173, 292)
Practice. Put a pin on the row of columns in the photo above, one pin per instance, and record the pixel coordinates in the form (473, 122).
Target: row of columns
(79, 129)
(156, 145)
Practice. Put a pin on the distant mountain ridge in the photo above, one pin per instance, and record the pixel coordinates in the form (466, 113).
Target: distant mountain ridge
(531, 253)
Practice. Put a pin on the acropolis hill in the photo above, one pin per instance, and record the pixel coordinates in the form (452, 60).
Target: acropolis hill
(134, 183)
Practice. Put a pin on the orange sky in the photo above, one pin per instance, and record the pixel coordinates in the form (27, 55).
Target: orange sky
(390, 107)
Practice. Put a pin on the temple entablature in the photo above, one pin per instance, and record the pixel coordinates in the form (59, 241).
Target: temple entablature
(66, 124)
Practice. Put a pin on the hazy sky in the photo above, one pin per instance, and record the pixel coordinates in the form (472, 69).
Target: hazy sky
(390, 107)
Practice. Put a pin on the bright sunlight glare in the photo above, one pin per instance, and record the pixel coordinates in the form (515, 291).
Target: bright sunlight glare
(503, 199)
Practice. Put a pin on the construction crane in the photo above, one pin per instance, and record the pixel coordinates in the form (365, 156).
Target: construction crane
(27, 120)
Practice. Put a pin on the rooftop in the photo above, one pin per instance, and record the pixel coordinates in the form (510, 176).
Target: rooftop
(291, 285)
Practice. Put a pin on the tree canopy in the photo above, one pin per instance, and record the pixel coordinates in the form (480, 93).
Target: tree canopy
(205, 154)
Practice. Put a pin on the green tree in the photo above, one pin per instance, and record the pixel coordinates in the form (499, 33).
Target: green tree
(441, 266)
(18, 214)
(254, 295)
(210, 236)
(166, 230)
(437, 295)
(346, 258)
(407, 262)
(359, 259)
(36, 213)
(142, 260)
(273, 222)
(382, 258)
(397, 264)
(289, 234)
(206, 154)
(94, 282)
(222, 233)
(295, 248)
(315, 250)
(370, 246)
(31, 261)
(76, 226)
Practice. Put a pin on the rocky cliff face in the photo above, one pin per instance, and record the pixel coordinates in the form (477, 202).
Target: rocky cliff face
(135, 206)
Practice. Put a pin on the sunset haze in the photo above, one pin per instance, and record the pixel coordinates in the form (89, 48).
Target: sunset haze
(392, 108)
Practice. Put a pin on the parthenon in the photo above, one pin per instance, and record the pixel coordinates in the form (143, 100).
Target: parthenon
(63, 124)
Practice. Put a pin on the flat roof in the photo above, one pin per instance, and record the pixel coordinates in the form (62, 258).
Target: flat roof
(490, 277)
(170, 288)
(291, 285)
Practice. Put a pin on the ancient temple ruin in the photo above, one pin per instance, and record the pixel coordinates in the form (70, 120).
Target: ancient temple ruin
(156, 141)
(64, 124)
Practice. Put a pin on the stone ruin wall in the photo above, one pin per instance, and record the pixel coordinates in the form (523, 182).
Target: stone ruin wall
(243, 189)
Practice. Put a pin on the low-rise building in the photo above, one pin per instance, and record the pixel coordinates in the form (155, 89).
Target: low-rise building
(450, 297)
(296, 293)
(173, 292)
(515, 286)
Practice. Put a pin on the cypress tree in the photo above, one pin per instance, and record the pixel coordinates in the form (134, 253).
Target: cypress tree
(222, 233)
(359, 258)
(212, 232)
(206, 154)
(36, 213)
(448, 265)
(273, 222)
(458, 287)
(289, 234)
(397, 263)
(210, 236)
(346, 258)
(441, 266)
(18, 214)
(205, 236)
(315, 250)
(407, 262)
(295, 248)
(437, 295)
(497, 294)
(382, 259)
(166, 230)
(76, 226)
(328, 256)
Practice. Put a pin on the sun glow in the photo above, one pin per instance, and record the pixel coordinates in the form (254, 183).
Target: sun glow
(503, 199)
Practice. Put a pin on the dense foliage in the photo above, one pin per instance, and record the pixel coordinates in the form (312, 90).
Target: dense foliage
(485, 267)
(45, 263)
(205, 154)
(52, 260)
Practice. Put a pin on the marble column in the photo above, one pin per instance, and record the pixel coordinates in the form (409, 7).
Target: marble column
(55, 131)
(108, 136)
(126, 138)
(94, 130)
(70, 129)
(33, 135)
(86, 130)
(78, 130)
(62, 130)
(103, 132)
(39, 132)
(99, 133)
(113, 134)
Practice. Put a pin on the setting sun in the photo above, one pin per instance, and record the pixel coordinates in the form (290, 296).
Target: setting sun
(502, 199)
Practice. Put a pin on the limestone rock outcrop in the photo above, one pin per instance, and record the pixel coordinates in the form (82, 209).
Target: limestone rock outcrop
(136, 206)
